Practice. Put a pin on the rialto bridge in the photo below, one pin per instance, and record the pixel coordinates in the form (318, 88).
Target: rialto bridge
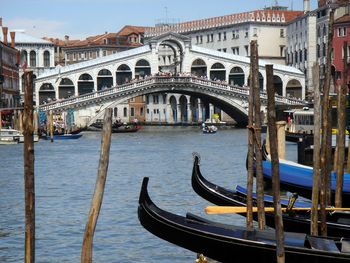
(166, 65)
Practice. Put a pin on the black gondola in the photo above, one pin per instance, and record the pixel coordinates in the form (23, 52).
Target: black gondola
(227, 243)
(338, 223)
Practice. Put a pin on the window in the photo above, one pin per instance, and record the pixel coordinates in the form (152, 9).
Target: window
(219, 36)
(46, 59)
(32, 57)
(211, 37)
(141, 111)
(155, 99)
(201, 39)
(224, 36)
(255, 32)
(305, 54)
(125, 111)
(197, 38)
(147, 99)
(208, 38)
(132, 111)
(281, 32)
(164, 98)
(224, 50)
(246, 50)
(219, 49)
(282, 51)
(246, 34)
(233, 34)
(147, 111)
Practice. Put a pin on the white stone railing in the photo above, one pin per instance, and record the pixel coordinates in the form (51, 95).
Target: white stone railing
(158, 80)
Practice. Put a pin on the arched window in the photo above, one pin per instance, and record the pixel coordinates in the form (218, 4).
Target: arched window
(32, 58)
(46, 59)
(125, 111)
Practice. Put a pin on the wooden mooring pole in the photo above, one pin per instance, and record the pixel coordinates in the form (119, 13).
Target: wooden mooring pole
(325, 130)
(29, 186)
(257, 134)
(86, 253)
(341, 130)
(271, 115)
(316, 153)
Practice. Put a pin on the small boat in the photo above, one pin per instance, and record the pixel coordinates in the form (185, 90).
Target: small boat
(209, 129)
(338, 223)
(10, 136)
(67, 136)
(298, 178)
(126, 129)
(229, 243)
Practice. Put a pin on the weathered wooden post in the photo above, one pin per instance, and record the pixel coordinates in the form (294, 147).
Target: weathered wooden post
(275, 164)
(29, 186)
(51, 126)
(341, 130)
(0, 120)
(86, 253)
(250, 154)
(257, 133)
(35, 122)
(20, 118)
(325, 129)
(316, 153)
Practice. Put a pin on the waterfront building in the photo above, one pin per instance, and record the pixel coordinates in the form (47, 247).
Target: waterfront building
(341, 35)
(301, 43)
(233, 33)
(36, 54)
(9, 77)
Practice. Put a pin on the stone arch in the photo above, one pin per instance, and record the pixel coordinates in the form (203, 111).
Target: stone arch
(170, 55)
(173, 106)
(183, 108)
(199, 68)
(294, 89)
(218, 72)
(65, 88)
(278, 84)
(104, 79)
(123, 74)
(85, 84)
(236, 76)
(142, 68)
(46, 93)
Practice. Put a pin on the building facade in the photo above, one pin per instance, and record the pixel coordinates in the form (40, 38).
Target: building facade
(341, 36)
(9, 77)
(233, 33)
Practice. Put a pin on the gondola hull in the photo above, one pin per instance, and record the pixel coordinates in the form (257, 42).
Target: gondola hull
(231, 244)
(338, 224)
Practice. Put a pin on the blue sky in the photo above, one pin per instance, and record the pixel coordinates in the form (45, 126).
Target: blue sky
(82, 18)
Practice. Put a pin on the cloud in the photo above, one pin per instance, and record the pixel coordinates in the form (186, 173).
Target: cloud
(38, 27)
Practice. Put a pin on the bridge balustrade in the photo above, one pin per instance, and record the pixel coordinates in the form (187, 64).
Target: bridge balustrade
(134, 85)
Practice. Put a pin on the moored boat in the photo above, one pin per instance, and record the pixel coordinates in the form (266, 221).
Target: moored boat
(228, 243)
(67, 136)
(338, 223)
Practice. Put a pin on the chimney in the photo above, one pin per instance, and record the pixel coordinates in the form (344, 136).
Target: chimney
(12, 34)
(306, 6)
(4, 32)
(66, 39)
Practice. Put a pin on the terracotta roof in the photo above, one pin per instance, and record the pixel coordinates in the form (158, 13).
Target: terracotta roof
(257, 16)
(128, 29)
(60, 42)
(343, 19)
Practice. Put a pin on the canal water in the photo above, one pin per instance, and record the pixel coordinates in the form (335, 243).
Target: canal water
(65, 175)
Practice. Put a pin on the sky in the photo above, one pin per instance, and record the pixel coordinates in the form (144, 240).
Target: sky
(82, 18)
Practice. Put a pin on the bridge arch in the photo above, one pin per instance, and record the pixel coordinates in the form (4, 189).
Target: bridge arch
(85, 84)
(104, 79)
(183, 108)
(278, 84)
(173, 106)
(218, 71)
(142, 68)
(123, 74)
(65, 88)
(236, 76)
(294, 89)
(199, 68)
(47, 93)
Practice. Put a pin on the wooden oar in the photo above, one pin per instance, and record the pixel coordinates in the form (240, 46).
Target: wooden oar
(243, 209)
